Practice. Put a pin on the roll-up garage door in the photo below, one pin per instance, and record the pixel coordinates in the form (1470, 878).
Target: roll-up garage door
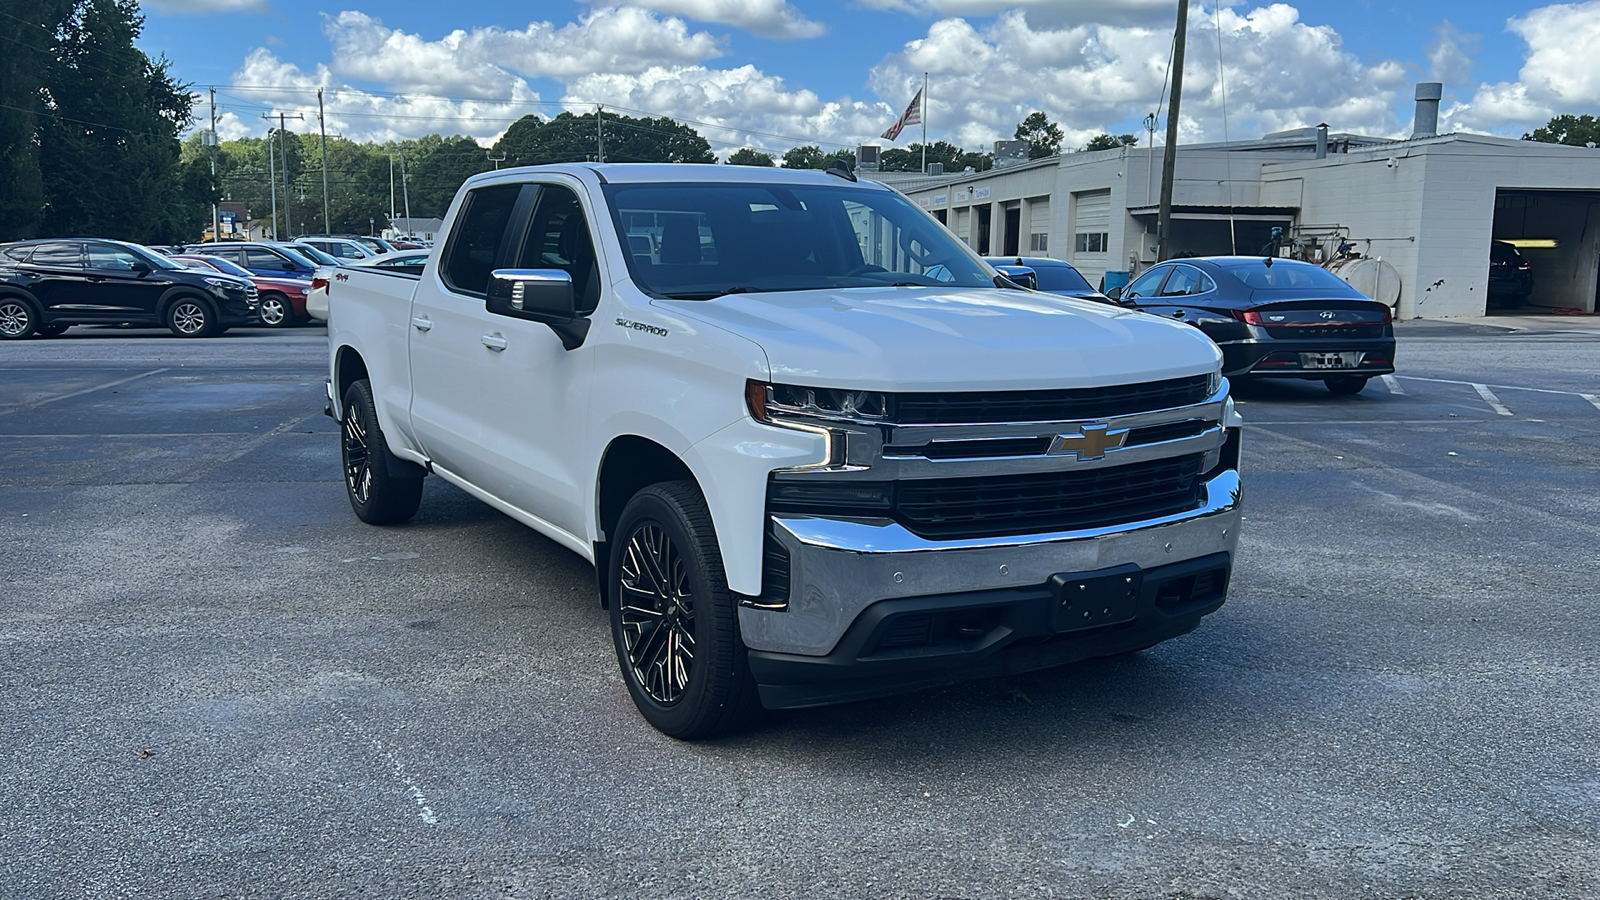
(1094, 210)
(1039, 214)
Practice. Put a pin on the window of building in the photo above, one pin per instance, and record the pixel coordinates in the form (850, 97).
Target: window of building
(1092, 242)
(1039, 243)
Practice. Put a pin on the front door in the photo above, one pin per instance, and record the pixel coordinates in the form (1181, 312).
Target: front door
(535, 393)
(123, 282)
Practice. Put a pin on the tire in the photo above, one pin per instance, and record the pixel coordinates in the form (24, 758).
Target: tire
(51, 331)
(377, 495)
(1346, 384)
(673, 620)
(191, 317)
(17, 319)
(275, 310)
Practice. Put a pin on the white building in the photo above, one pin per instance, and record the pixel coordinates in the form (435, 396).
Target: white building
(1429, 207)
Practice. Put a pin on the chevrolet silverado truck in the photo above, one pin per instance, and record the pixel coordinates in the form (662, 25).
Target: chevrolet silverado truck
(816, 448)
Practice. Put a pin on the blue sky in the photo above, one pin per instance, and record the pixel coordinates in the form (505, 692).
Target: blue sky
(775, 73)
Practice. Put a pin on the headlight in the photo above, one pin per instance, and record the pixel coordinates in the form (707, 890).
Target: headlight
(225, 284)
(767, 401)
(1215, 384)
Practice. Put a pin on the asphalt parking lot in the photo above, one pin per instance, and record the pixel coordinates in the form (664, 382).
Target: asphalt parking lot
(218, 683)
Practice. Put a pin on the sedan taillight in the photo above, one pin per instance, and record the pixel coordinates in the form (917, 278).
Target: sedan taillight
(318, 283)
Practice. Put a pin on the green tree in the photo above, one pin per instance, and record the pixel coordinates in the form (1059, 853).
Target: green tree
(573, 138)
(1105, 141)
(744, 156)
(108, 140)
(27, 32)
(1577, 131)
(954, 158)
(1044, 137)
(811, 157)
(437, 167)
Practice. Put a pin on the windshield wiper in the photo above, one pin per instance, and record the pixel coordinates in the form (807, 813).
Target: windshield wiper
(710, 295)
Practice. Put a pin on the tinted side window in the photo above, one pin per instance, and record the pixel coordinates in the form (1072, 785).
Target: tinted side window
(19, 253)
(65, 255)
(1186, 280)
(476, 239)
(1147, 284)
(264, 259)
(559, 239)
(105, 256)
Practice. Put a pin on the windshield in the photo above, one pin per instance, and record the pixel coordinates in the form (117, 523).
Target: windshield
(225, 266)
(1061, 278)
(156, 260)
(310, 256)
(1284, 274)
(699, 241)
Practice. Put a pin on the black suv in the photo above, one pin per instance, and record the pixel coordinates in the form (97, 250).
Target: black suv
(1510, 275)
(47, 286)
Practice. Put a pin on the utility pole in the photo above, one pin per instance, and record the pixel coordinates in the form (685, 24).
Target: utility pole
(283, 142)
(272, 177)
(497, 160)
(216, 214)
(924, 118)
(599, 140)
(391, 192)
(405, 190)
(322, 124)
(1169, 155)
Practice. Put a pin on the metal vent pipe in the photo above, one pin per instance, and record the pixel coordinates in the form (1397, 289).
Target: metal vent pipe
(1427, 123)
(1322, 141)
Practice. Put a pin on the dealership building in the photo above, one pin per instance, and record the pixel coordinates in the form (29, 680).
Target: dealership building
(1422, 213)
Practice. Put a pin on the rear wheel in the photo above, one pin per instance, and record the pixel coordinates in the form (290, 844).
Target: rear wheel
(276, 310)
(191, 317)
(673, 620)
(378, 496)
(1346, 384)
(17, 319)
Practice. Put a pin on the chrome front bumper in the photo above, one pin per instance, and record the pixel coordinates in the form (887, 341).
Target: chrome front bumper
(841, 567)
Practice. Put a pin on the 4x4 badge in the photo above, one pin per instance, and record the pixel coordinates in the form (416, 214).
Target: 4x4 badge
(1091, 442)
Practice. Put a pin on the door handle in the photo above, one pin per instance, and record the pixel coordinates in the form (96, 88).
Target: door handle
(1178, 315)
(494, 342)
(421, 323)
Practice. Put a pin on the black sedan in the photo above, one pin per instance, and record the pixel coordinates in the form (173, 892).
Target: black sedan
(47, 286)
(1273, 318)
(1053, 276)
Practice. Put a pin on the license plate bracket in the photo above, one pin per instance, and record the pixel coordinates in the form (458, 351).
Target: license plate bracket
(1343, 359)
(1093, 599)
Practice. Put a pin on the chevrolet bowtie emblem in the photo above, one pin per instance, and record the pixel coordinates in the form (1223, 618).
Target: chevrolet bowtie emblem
(1091, 442)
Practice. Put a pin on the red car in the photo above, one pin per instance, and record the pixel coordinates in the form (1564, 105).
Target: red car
(282, 300)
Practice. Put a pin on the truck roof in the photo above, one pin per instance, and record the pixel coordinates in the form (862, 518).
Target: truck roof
(644, 173)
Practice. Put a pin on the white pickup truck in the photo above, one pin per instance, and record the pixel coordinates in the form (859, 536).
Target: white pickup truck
(816, 449)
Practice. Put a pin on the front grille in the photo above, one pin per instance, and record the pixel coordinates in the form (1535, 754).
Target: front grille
(1052, 501)
(1004, 448)
(978, 407)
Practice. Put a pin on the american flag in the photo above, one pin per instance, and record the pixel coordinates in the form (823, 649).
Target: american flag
(911, 116)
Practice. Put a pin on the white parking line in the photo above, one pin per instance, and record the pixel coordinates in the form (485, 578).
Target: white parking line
(1593, 400)
(1390, 382)
(1489, 398)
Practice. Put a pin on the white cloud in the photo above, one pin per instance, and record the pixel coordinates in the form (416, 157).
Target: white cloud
(266, 83)
(202, 7)
(740, 107)
(768, 18)
(613, 39)
(1114, 12)
(1450, 55)
(1281, 73)
(1559, 75)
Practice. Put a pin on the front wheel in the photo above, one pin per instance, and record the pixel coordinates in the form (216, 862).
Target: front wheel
(190, 317)
(17, 319)
(276, 310)
(1346, 384)
(673, 620)
(378, 496)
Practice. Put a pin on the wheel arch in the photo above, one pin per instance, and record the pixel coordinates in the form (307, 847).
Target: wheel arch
(180, 292)
(630, 464)
(348, 368)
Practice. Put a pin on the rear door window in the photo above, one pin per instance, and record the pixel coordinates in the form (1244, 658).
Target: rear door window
(1187, 280)
(476, 238)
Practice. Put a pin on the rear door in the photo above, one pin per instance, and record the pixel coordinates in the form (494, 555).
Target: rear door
(63, 280)
(447, 325)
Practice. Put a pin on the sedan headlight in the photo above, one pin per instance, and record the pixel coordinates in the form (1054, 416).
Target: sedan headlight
(769, 401)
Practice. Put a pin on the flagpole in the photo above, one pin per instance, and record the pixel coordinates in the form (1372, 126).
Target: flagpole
(924, 123)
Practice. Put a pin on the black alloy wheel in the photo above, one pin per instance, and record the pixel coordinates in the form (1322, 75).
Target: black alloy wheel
(1346, 384)
(673, 620)
(17, 319)
(190, 317)
(276, 311)
(377, 495)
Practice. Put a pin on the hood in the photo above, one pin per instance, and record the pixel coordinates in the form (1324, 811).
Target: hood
(923, 339)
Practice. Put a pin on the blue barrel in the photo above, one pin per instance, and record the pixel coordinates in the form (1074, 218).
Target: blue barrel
(1117, 278)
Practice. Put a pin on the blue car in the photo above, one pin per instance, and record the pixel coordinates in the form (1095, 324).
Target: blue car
(268, 260)
(1053, 276)
(1273, 318)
